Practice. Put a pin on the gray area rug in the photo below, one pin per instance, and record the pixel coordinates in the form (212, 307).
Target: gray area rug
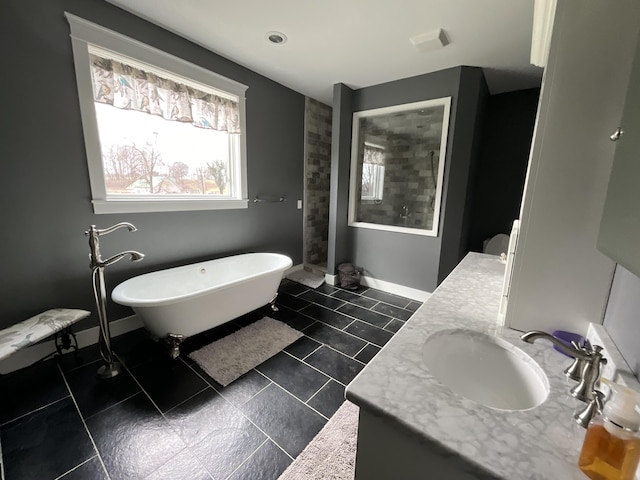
(310, 279)
(331, 455)
(227, 359)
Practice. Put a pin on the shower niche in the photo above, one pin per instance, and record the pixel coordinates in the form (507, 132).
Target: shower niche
(397, 167)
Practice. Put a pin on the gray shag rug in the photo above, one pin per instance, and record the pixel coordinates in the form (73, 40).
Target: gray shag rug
(310, 279)
(331, 455)
(229, 358)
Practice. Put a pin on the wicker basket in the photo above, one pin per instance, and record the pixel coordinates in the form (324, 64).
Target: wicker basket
(349, 276)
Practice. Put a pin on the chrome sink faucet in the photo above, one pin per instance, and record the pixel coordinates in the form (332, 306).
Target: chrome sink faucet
(590, 358)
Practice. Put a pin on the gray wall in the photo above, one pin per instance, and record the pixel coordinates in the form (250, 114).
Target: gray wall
(45, 197)
(340, 243)
(502, 166)
(413, 260)
(462, 166)
(621, 318)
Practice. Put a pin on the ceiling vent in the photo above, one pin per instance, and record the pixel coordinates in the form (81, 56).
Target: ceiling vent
(430, 41)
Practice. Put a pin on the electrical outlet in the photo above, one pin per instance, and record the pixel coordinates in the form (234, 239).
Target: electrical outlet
(299, 204)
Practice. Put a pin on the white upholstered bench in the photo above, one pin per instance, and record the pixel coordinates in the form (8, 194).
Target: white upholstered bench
(52, 322)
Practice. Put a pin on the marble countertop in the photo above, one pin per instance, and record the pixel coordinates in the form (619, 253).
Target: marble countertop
(540, 443)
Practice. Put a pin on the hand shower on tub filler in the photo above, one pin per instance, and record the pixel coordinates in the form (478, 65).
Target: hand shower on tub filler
(111, 366)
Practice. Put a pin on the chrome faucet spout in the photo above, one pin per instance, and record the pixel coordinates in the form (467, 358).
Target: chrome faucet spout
(135, 257)
(533, 335)
(113, 228)
(591, 357)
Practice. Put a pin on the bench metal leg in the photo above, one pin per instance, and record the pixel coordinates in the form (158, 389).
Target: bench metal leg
(66, 340)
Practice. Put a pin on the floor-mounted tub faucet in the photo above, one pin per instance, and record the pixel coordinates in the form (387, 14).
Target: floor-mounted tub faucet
(111, 366)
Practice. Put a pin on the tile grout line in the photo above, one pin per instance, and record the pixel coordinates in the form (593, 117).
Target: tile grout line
(76, 467)
(362, 294)
(378, 301)
(86, 427)
(189, 398)
(139, 385)
(308, 406)
(317, 369)
(290, 393)
(186, 447)
(247, 459)
(314, 350)
(344, 315)
(348, 333)
(360, 351)
(332, 347)
(33, 411)
(245, 416)
(293, 394)
(312, 396)
(335, 349)
(89, 417)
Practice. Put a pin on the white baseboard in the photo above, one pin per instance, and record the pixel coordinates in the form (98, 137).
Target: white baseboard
(25, 357)
(331, 279)
(389, 287)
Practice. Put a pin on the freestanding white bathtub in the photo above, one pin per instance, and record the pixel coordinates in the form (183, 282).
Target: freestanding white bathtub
(183, 301)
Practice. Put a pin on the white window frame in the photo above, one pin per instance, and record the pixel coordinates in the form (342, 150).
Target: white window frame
(85, 33)
(356, 159)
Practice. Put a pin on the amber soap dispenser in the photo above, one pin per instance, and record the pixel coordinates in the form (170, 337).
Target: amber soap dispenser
(611, 449)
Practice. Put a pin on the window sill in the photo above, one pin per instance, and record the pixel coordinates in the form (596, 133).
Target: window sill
(161, 205)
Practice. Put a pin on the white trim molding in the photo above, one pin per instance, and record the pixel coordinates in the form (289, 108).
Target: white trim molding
(543, 14)
(85, 36)
(357, 140)
(389, 287)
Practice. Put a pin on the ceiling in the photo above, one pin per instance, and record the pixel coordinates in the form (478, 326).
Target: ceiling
(355, 42)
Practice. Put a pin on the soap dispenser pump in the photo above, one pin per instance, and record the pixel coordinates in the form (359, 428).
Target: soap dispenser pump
(611, 449)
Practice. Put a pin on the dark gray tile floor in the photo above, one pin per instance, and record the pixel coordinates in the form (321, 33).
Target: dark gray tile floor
(164, 419)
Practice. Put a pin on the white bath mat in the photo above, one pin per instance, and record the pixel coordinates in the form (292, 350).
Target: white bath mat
(310, 279)
(227, 359)
(331, 455)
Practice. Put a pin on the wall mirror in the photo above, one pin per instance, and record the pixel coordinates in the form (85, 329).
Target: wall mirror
(397, 167)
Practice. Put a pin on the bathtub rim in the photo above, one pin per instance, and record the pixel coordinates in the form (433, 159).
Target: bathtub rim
(118, 298)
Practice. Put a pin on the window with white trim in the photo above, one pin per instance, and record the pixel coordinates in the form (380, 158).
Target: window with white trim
(161, 134)
(372, 172)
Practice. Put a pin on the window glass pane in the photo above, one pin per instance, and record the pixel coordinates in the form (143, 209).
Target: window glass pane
(145, 154)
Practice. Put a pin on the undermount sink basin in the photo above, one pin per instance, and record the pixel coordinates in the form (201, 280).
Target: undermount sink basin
(485, 369)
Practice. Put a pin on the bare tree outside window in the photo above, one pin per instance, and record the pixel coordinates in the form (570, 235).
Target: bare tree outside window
(179, 171)
(149, 161)
(217, 171)
(202, 175)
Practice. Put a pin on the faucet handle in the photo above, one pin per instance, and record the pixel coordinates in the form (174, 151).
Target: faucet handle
(594, 406)
(574, 371)
(583, 391)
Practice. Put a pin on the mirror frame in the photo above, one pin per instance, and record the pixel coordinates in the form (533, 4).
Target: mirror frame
(355, 142)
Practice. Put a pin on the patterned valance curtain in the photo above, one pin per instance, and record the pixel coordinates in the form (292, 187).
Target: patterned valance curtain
(373, 155)
(130, 88)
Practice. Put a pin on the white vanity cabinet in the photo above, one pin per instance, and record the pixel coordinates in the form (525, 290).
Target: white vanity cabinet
(619, 236)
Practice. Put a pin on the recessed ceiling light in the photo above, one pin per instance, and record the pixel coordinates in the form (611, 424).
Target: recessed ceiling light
(277, 38)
